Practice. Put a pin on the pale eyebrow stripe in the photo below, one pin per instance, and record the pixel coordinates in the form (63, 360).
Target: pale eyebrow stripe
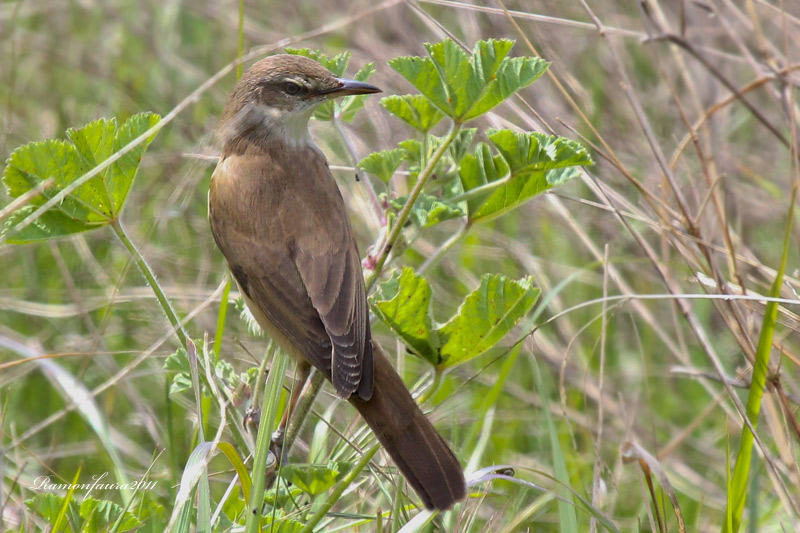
(299, 80)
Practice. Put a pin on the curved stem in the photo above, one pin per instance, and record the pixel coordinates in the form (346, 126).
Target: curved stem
(269, 410)
(150, 277)
(483, 190)
(438, 375)
(402, 217)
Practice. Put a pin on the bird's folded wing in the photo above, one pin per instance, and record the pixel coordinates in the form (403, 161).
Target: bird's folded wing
(331, 273)
(297, 262)
(274, 288)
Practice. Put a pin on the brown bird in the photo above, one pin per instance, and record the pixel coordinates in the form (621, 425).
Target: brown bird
(279, 219)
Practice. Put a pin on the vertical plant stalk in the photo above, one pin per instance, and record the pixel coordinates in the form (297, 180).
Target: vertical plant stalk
(269, 410)
(150, 277)
(223, 313)
(203, 504)
(737, 490)
(402, 217)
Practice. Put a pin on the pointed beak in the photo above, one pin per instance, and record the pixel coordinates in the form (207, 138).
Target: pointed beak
(349, 87)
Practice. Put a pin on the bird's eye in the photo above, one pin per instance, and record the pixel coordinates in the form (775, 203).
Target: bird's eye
(291, 88)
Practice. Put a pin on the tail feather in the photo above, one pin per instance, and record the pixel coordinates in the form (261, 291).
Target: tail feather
(421, 454)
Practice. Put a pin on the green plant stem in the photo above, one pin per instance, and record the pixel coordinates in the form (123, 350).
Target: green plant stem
(150, 277)
(339, 489)
(269, 410)
(402, 217)
(737, 490)
(223, 313)
(438, 376)
(482, 190)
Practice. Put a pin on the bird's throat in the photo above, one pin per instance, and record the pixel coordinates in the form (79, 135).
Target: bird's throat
(265, 125)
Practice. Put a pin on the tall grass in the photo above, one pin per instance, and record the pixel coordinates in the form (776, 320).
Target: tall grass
(684, 224)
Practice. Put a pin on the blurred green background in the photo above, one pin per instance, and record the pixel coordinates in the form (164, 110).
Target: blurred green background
(632, 371)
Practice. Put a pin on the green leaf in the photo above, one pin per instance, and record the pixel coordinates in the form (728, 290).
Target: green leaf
(178, 362)
(485, 317)
(566, 502)
(477, 171)
(93, 204)
(461, 145)
(403, 304)
(100, 515)
(311, 479)
(151, 511)
(226, 376)
(245, 482)
(282, 496)
(121, 175)
(180, 383)
(512, 75)
(528, 164)
(529, 152)
(336, 64)
(225, 373)
(429, 210)
(95, 143)
(48, 506)
(33, 163)
(740, 485)
(466, 86)
(234, 506)
(414, 109)
(422, 74)
(417, 152)
(383, 164)
(52, 224)
(281, 525)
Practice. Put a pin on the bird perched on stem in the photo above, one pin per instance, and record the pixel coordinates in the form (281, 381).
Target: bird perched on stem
(279, 219)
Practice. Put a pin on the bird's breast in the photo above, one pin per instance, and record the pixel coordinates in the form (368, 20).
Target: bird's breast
(277, 194)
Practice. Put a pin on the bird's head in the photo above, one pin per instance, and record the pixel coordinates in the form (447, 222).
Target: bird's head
(276, 97)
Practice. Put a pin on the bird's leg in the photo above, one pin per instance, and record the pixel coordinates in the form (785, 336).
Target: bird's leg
(303, 371)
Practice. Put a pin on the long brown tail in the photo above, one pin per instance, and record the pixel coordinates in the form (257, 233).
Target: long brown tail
(413, 443)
